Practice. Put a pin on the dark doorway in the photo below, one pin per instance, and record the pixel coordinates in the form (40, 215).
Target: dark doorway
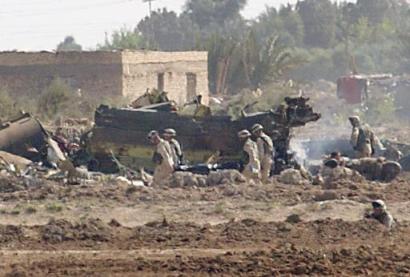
(160, 82)
(191, 86)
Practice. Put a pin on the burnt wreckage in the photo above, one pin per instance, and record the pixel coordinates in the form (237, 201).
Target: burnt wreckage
(23, 135)
(122, 133)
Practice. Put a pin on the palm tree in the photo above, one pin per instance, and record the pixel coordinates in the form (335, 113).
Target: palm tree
(267, 61)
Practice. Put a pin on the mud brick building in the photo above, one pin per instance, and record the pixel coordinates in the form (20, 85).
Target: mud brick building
(103, 73)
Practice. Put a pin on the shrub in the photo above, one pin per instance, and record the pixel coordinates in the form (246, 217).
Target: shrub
(7, 105)
(55, 99)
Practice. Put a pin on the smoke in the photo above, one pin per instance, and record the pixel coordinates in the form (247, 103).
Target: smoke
(310, 150)
(301, 151)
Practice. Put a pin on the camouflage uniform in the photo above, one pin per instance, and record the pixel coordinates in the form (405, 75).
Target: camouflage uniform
(177, 155)
(265, 147)
(265, 151)
(252, 168)
(381, 214)
(375, 168)
(251, 161)
(370, 168)
(363, 139)
(385, 218)
(164, 164)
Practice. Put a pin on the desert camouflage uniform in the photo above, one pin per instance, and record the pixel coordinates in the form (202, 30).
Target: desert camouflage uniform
(252, 167)
(364, 141)
(376, 168)
(384, 218)
(370, 168)
(381, 214)
(265, 150)
(165, 165)
(177, 155)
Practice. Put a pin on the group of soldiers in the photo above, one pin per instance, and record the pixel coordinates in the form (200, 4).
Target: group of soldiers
(369, 157)
(369, 162)
(258, 153)
(167, 155)
(257, 158)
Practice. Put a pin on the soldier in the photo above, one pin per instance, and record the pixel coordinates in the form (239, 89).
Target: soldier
(201, 110)
(265, 151)
(381, 214)
(333, 169)
(363, 139)
(250, 160)
(375, 169)
(177, 155)
(335, 157)
(162, 158)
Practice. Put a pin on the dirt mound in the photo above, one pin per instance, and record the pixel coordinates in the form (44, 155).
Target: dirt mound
(287, 260)
(170, 234)
(10, 233)
(10, 184)
(60, 230)
(328, 233)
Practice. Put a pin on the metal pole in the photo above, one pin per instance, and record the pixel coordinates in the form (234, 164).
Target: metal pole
(149, 5)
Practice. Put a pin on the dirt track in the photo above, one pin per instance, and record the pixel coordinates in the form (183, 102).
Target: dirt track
(243, 248)
(240, 230)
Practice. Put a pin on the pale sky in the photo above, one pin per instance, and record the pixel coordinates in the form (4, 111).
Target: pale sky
(33, 25)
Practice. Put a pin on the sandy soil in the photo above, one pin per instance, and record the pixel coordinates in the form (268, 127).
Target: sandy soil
(107, 229)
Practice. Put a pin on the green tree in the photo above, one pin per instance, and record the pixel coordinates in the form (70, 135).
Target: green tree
(69, 44)
(122, 39)
(267, 24)
(221, 52)
(205, 12)
(285, 23)
(374, 10)
(266, 61)
(292, 23)
(319, 20)
(165, 30)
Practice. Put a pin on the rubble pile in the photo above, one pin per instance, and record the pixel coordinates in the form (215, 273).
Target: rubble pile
(60, 230)
(70, 156)
(215, 178)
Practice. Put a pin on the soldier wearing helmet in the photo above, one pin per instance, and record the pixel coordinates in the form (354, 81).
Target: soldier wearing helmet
(250, 159)
(164, 165)
(177, 155)
(363, 139)
(381, 214)
(265, 151)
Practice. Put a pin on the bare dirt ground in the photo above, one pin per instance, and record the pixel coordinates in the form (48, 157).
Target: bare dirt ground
(107, 229)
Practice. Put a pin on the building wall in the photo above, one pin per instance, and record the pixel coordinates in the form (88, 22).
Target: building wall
(141, 70)
(96, 73)
(100, 73)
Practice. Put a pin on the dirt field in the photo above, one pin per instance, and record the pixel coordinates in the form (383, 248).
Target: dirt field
(107, 229)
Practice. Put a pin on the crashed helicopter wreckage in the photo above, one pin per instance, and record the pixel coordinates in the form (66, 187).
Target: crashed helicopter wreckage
(123, 131)
(23, 135)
